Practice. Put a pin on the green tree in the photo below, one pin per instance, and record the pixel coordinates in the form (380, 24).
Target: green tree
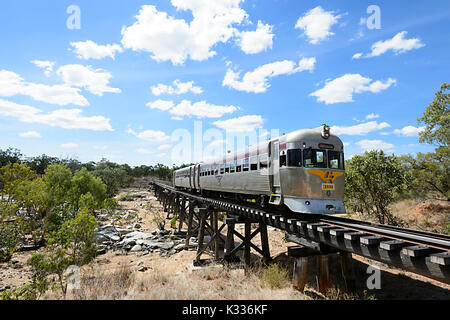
(113, 178)
(84, 182)
(372, 182)
(10, 156)
(437, 119)
(72, 244)
(11, 177)
(39, 164)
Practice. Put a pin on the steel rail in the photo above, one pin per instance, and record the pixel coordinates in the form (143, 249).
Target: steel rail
(431, 242)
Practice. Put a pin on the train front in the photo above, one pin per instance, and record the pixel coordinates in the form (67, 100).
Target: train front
(312, 172)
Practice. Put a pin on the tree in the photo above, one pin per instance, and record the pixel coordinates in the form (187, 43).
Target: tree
(11, 177)
(429, 173)
(10, 156)
(372, 182)
(84, 182)
(113, 178)
(437, 119)
(72, 244)
(40, 163)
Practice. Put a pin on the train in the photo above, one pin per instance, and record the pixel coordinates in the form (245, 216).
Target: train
(302, 170)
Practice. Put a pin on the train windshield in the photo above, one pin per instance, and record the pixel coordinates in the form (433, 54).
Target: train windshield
(314, 158)
(335, 160)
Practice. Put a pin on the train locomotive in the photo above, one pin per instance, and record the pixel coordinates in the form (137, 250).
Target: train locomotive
(302, 170)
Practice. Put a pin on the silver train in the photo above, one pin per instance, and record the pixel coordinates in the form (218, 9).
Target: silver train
(303, 170)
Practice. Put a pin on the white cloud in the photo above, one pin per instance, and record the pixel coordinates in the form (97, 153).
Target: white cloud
(144, 151)
(398, 44)
(257, 80)
(252, 42)
(368, 145)
(95, 81)
(359, 129)
(409, 131)
(164, 147)
(346, 144)
(91, 50)
(150, 135)
(66, 118)
(177, 88)
(47, 65)
(69, 145)
(241, 124)
(317, 24)
(160, 105)
(30, 134)
(12, 84)
(201, 109)
(175, 40)
(372, 116)
(357, 55)
(342, 89)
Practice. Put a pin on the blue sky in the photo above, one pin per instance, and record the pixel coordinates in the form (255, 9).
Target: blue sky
(137, 72)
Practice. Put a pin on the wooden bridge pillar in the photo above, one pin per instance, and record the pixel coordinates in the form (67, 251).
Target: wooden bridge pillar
(347, 270)
(212, 228)
(229, 243)
(301, 257)
(247, 245)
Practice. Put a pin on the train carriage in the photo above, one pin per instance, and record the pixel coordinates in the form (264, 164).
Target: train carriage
(303, 170)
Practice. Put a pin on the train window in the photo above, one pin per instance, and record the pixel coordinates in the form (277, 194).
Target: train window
(246, 164)
(253, 163)
(335, 160)
(314, 158)
(233, 167)
(222, 169)
(227, 168)
(294, 158)
(263, 162)
(283, 159)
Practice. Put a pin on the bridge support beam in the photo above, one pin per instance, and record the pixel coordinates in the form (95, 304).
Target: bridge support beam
(302, 256)
(247, 245)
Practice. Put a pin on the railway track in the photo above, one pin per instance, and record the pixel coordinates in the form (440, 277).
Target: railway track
(418, 251)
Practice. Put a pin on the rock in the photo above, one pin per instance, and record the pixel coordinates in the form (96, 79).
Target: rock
(136, 248)
(136, 226)
(142, 269)
(137, 235)
(140, 263)
(100, 251)
(180, 247)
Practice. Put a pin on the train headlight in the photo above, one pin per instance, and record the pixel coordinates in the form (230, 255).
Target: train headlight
(325, 131)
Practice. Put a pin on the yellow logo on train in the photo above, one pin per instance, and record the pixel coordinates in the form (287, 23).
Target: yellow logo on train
(326, 175)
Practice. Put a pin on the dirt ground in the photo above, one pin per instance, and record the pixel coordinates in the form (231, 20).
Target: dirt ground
(126, 275)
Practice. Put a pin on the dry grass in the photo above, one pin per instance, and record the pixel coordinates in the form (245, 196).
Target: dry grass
(209, 283)
(429, 215)
(104, 285)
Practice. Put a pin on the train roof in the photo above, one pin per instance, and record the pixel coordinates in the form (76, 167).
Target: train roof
(307, 135)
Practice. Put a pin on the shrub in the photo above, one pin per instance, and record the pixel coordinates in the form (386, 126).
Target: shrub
(275, 276)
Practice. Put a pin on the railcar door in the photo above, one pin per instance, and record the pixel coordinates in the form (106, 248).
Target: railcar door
(275, 167)
(197, 177)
